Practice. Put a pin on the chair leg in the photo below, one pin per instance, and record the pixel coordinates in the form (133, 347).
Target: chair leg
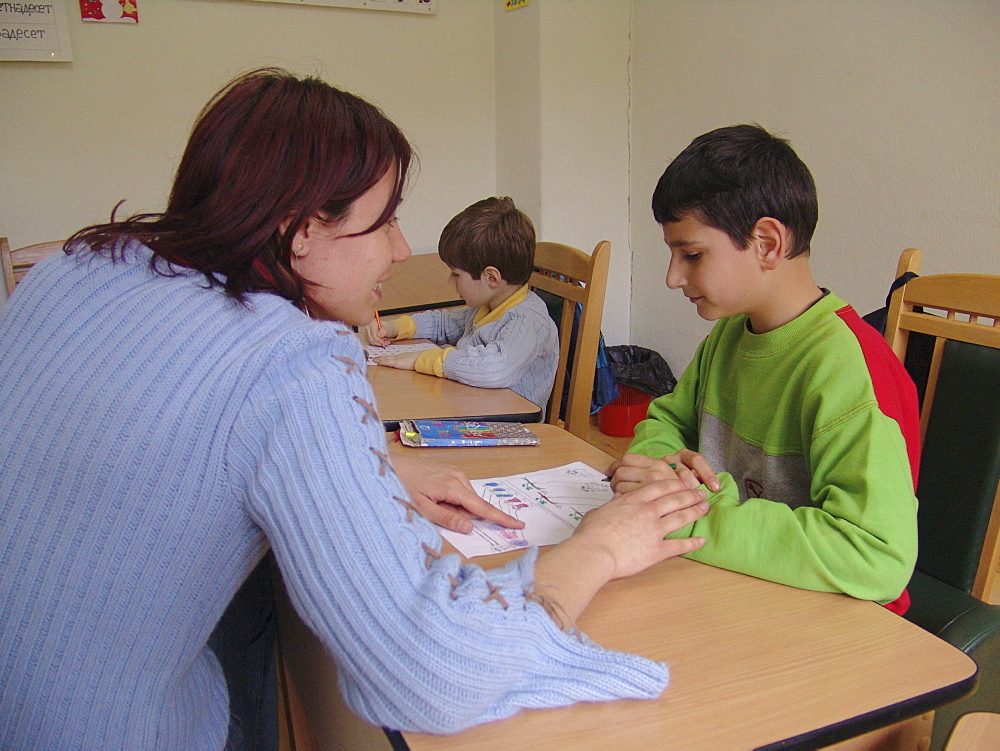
(286, 727)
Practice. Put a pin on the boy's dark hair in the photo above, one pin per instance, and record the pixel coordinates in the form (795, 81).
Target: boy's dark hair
(730, 177)
(490, 232)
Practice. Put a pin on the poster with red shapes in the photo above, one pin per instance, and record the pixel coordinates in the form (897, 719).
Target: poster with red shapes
(110, 11)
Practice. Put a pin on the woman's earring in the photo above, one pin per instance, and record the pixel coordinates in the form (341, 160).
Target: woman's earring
(299, 250)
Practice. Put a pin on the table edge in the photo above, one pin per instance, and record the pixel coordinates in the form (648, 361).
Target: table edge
(879, 718)
(404, 309)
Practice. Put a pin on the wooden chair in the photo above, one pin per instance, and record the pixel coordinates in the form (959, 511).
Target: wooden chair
(959, 480)
(572, 275)
(312, 713)
(17, 262)
(976, 731)
(962, 313)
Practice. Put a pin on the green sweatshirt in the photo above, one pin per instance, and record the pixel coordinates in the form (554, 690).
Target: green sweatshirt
(813, 429)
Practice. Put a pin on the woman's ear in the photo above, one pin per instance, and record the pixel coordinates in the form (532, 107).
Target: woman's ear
(771, 240)
(300, 245)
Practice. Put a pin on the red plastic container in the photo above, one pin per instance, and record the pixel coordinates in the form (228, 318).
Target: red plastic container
(619, 417)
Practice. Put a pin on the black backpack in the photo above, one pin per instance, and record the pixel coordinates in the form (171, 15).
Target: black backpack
(921, 346)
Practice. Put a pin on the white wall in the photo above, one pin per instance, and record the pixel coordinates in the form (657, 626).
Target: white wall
(562, 111)
(585, 47)
(893, 105)
(519, 108)
(77, 137)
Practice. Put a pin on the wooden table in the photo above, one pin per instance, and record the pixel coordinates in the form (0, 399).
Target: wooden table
(753, 664)
(408, 395)
(418, 283)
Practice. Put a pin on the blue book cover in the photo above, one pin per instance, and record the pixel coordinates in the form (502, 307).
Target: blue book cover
(427, 433)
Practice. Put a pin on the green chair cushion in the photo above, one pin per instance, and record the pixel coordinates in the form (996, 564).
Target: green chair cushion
(960, 464)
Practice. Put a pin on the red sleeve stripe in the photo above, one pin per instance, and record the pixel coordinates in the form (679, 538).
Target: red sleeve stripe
(894, 389)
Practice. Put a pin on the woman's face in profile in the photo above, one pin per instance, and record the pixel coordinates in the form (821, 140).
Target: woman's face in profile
(344, 274)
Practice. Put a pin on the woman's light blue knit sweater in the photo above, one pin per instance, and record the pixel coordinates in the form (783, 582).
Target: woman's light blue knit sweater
(155, 438)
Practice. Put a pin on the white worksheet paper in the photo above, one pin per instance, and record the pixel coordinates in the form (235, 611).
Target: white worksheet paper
(373, 350)
(551, 503)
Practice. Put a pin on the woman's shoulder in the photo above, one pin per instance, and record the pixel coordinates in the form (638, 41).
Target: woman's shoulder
(284, 328)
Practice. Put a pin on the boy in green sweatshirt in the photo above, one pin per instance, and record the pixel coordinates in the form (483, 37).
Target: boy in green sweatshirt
(794, 412)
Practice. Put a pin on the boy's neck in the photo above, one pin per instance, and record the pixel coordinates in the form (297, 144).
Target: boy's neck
(790, 293)
(501, 295)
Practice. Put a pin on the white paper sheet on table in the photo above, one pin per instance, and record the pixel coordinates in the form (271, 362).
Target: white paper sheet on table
(551, 502)
(373, 350)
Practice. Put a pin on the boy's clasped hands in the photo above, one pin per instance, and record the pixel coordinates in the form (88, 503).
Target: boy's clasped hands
(633, 471)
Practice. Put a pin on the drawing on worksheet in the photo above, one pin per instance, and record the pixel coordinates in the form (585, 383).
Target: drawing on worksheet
(373, 350)
(550, 502)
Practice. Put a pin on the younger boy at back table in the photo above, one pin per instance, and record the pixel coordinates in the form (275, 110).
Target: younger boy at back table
(794, 411)
(505, 338)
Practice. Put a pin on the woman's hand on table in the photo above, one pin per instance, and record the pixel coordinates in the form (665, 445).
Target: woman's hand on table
(633, 471)
(619, 539)
(630, 528)
(443, 495)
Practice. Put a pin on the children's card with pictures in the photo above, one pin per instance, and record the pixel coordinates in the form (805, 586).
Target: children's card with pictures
(550, 502)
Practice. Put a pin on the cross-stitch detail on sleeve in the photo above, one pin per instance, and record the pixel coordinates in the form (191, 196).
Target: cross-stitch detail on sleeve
(432, 555)
(555, 611)
(352, 365)
(384, 464)
(495, 595)
(369, 410)
(410, 508)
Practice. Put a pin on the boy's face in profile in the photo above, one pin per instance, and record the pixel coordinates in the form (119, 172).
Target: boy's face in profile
(475, 292)
(718, 276)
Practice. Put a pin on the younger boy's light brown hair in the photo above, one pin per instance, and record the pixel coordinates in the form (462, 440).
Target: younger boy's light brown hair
(490, 232)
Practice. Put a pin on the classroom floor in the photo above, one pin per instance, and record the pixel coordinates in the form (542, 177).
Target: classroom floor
(613, 445)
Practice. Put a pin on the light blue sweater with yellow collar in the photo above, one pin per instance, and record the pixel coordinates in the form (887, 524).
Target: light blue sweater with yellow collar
(515, 345)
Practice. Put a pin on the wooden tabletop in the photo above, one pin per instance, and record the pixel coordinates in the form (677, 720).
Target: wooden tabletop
(418, 283)
(753, 664)
(408, 395)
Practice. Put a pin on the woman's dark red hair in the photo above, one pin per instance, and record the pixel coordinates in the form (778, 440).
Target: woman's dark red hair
(268, 148)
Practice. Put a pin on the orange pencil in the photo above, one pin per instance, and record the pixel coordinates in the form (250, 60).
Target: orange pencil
(378, 322)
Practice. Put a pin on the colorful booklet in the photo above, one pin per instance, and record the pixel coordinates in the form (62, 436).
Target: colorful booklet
(425, 433)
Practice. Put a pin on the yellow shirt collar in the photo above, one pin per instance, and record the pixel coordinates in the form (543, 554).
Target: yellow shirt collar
(482, 317)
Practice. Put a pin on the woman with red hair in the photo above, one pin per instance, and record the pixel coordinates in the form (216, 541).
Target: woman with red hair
(184, 391)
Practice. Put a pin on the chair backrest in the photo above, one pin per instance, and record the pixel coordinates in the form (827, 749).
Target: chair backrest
(574, 276)
(17, 262)
(959, 480)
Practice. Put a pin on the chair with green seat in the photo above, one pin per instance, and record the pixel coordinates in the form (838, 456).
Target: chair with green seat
(959, 481)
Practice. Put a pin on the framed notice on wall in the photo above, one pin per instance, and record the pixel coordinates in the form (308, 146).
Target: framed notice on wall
(34, 31)
(405, 6)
